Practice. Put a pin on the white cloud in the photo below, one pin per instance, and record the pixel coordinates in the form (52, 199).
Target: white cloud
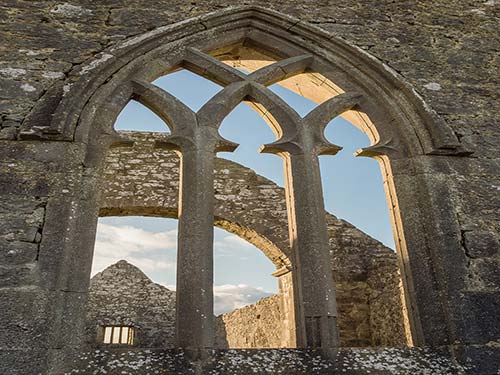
(228, 297)
(155, 254)
(132, 239)
(232, 245)
(150, 265)
(147, 250)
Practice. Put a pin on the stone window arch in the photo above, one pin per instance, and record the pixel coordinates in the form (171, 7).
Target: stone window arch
(405, 133)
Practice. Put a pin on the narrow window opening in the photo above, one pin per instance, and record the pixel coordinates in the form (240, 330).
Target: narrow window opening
(245, 127)
(354, 191)
(107, 334)
(190, 88)
(136, 117)
(118, 335)
(353, 185)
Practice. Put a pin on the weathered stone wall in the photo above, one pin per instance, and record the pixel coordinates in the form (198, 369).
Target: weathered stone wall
(447, 51)
(143, 180)
(384, 301)
(254, 326)
(123, 295)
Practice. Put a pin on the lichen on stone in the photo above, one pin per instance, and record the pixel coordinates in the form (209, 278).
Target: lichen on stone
(70, 10)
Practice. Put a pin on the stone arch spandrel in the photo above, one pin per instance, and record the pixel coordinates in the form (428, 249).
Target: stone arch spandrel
(277, 33)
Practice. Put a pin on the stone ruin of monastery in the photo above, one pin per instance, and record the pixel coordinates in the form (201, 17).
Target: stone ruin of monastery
(420, 79)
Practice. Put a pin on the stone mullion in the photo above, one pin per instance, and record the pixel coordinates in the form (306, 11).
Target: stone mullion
(197, 143)
(300, 143)
(300, 333)
(195, 136)
(311, 254)
(194, 312)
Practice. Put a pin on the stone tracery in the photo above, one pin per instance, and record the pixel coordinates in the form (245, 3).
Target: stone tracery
(300, 142)
(363, 268)
(412, 135)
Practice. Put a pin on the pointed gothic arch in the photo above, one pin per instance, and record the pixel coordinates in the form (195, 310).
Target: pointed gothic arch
(405, 132)
(276, 34)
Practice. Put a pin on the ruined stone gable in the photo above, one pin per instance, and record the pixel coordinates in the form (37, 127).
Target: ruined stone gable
(122, 295)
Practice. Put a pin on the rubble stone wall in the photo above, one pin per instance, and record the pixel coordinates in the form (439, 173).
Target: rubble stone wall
(254, 326)
(122, 295)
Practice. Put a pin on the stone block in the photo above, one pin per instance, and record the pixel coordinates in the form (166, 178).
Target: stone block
(24, 319)
(23, 361)
(479, 244)
(479, 359)
(18, 275)
(484, 274)
(479, 310)
(16, 252)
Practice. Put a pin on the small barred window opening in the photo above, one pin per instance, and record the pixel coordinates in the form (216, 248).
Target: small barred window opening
(118, 335)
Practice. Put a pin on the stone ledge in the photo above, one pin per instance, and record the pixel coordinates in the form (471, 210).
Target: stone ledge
(349, 361)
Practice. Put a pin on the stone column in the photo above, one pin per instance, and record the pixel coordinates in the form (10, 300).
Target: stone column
(194, 310)
(196, 138)
(314, 290)
(313, 278)
(196, 147)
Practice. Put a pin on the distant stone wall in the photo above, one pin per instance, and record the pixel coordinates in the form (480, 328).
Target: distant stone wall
(369, 312)
(254, 326)
(384, 299)
(123, 295)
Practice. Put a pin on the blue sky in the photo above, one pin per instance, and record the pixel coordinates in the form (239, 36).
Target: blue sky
(352, 187)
